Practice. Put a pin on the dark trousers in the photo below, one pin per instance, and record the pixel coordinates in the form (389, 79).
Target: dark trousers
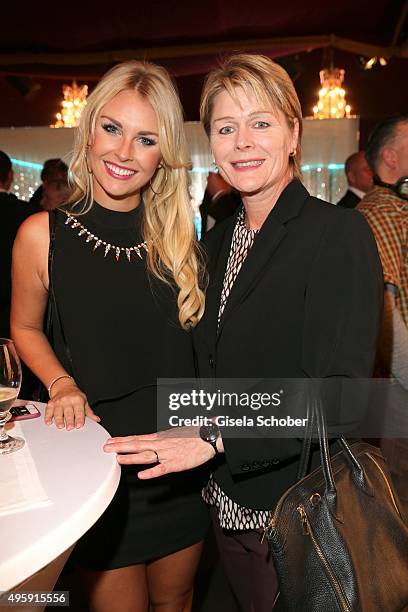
(249, 567)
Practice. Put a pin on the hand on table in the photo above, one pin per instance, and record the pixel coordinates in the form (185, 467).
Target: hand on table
(174, 450)
(68, 406)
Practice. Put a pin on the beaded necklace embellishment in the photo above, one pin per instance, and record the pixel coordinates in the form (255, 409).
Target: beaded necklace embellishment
(73, 223)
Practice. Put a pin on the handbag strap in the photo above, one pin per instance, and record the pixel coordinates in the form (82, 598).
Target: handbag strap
(331, 492)
(304, 460)
(316, 416)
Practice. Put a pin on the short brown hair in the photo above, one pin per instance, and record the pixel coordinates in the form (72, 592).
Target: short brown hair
(257, 75)
(382, 135)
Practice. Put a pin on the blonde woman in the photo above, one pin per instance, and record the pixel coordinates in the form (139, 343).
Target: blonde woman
(125, 287)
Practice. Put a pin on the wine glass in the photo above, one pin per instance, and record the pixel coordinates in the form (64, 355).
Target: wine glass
(10, 382)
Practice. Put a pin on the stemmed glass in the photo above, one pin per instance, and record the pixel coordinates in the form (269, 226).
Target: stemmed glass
(10, 382)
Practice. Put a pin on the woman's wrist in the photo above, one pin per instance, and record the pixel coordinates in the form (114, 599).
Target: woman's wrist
(56, 382)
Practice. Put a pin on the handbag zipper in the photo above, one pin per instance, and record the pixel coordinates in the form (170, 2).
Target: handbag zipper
(271, 525)
(387, 483)
(307, 530)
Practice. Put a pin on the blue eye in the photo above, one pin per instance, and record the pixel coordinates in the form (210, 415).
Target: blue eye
(226, 130)
(262, 124)
(110, 128)
(148, 142)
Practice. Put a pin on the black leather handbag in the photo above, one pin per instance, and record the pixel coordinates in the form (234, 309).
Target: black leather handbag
(338, 536)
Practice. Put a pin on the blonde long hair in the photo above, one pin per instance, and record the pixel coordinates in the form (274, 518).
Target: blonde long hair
(168, 228)
(257, 75)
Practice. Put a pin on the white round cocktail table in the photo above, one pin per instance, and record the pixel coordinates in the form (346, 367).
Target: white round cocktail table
(79, 479)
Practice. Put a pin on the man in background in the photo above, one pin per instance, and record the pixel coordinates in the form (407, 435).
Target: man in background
(359, 178)
(53, 191)
(12, 213)
(386, 210)
(220, 202)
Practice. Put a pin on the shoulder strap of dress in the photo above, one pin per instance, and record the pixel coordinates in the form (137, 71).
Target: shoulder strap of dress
(52, 302)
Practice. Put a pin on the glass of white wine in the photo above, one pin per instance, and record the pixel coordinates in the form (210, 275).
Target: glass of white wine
(10, 382)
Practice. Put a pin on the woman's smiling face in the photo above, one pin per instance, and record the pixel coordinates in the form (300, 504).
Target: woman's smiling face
(123, 153)
(251, 144)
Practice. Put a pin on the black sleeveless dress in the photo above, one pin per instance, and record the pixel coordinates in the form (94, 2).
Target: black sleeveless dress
(121, 328)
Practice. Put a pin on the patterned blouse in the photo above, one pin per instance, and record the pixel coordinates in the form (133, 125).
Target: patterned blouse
(232, 515)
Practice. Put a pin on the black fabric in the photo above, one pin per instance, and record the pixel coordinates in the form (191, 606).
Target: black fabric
(12, 213)
(306, 303)
(35, 199)
(349, 200)
(122, 331)
(221, 209)
(52, 315)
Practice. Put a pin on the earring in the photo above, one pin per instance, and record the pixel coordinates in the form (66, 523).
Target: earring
(160, 167)
(293, 154)
(86, 161)
(213, 167)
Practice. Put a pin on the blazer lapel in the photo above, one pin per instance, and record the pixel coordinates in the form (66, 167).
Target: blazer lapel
(272, 232)
(218, 257)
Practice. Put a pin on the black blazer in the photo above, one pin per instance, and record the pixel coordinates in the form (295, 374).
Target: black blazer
(349, 200)
(306, 303)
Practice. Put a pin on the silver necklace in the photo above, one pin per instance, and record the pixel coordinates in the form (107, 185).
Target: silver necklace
(73, 223)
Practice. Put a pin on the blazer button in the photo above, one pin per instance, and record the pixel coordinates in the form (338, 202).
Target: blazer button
(211, 362)
(245, 467)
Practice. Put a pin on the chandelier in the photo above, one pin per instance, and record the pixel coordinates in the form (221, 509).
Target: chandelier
(332, 102)
(72, 105)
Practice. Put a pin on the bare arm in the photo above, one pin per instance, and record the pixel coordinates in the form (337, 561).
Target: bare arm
(29, 300)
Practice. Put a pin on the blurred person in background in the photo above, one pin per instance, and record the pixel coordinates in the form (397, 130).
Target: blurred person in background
(13, 212)
(220, 202)
(55, 176)
(54, 194)
(359, 178)
(386, 209)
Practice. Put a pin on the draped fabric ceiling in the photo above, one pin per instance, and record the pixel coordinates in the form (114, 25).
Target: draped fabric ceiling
(43, 45)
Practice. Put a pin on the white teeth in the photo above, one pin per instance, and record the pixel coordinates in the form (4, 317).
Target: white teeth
(247, 164)
(119, 171)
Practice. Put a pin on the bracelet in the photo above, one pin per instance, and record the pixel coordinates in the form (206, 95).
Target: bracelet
(54, 380)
